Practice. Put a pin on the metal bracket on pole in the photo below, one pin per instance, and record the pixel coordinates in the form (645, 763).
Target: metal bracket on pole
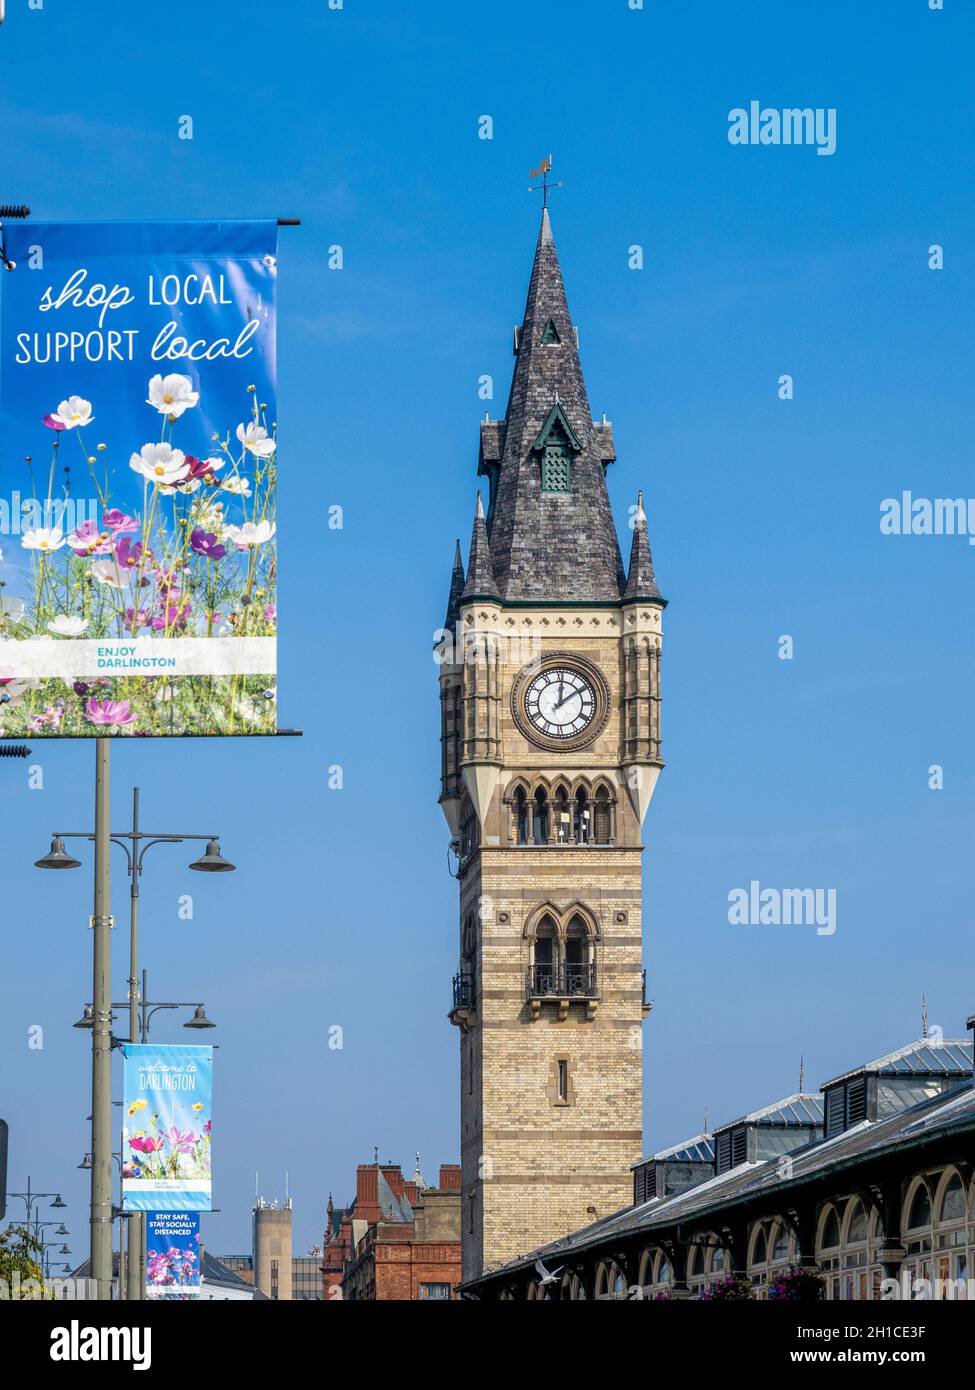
(94, 922)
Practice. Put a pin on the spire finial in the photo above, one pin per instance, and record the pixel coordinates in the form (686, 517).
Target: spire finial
(479, 513)
(802, 1073)
(542, 173)
(924, 1017)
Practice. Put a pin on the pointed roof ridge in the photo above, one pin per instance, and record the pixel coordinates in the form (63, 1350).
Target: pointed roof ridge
(559, 545)
(480, 573)
(456, 587)
(641, 582)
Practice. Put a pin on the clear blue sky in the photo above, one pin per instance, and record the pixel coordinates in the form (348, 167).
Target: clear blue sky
(764, 520)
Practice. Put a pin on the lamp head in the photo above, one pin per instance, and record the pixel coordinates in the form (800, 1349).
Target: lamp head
(212, 862)
(58, 858)
(199, 1019)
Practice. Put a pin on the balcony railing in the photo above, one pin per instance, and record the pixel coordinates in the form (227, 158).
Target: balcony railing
(463, 991)
(564, 980)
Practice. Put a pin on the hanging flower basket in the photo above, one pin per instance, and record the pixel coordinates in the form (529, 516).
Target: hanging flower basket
(731, 1286)
(797, 1285)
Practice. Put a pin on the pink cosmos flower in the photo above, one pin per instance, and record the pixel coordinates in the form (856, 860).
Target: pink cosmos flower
(50, 719)
(53, 423)
(119, 522)
(113, 712)
(182, 1143)
(205, 543)
(203, 468)
(172, 614)
(148, 1144)
(129, 555)
(86, 539)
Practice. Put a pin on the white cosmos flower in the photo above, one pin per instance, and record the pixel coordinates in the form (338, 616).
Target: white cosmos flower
(65, 626)
(46, 538)
(12, 692)
(256, 440)
(107, 572)
(12, 608)
(240, 487)
(172, 394)
(160, 463)
(250, 534)
(73, 412)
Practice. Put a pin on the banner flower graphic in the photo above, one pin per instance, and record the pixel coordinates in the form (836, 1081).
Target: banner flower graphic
(139, 470)
(173, 1264)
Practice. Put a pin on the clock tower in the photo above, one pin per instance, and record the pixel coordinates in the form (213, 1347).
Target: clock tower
(550, 698)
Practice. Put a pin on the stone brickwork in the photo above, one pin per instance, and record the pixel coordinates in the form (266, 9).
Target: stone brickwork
(534, 1168)
(551, 1064)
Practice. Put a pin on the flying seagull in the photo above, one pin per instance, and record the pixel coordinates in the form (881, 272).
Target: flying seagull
(544, 1278)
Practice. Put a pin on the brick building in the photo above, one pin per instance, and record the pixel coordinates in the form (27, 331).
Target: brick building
(550, 738)
(397, 1240)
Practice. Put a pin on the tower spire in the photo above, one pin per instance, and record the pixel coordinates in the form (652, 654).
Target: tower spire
(480, 574)
(641, 582)
(456, 588)
(550, 524)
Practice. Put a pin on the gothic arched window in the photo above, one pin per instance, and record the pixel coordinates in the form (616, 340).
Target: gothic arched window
(563, 819)
(858, 1225)
(920, 1210)
(577, 958)
(601, 817)
(540, 817)
(555, 445)
(545, 961)
(953, 1202)
(581, 817)
(521, 816)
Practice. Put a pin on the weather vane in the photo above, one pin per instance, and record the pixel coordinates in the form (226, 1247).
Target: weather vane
(542, 173)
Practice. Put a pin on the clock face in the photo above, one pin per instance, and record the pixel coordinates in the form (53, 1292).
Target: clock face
(560, 703)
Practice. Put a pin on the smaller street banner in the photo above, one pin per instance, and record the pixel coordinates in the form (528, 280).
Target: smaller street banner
(167, 1100)
(173, 1255)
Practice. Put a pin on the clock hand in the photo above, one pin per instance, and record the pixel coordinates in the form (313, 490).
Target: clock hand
(559, 703)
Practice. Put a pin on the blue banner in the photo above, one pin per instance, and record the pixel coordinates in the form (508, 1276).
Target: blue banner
(173, 1256)
(168, 1127)
(139, 466)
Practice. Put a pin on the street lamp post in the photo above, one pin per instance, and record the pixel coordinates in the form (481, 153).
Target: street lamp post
(30, 1198)
(101, 1041)
(135, 844)
(35, 1225)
